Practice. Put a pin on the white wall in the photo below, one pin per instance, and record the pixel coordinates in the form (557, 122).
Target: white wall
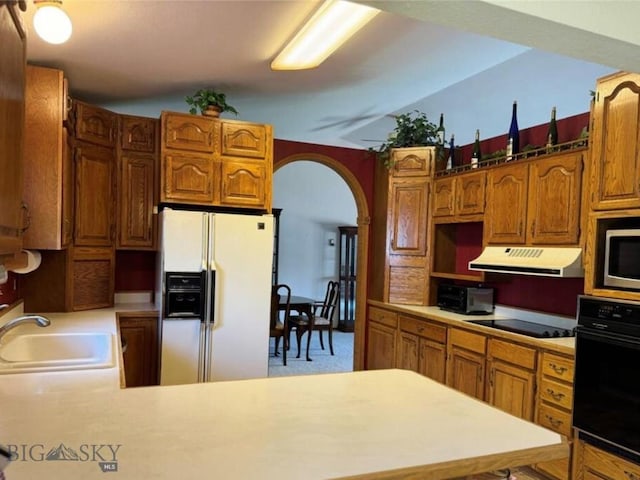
(315, 201)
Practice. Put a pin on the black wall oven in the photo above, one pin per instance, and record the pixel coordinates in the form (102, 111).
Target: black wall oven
(606, 408)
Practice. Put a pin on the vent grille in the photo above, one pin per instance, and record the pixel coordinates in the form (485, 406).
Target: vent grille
(524, 252)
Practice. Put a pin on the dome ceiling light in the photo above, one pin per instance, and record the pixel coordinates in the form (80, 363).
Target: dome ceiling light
(51, 23)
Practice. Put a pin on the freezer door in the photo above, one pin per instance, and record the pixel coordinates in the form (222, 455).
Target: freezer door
(182, 346)
(183, 240)
(239, 337)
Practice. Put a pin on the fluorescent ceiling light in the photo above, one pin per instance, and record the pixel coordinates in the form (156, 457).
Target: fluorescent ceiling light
(332, 25)
(51, 23)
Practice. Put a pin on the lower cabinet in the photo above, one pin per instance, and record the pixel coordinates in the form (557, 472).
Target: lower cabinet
(466, 362)
(512, 378)
(554, 406)
(422, 347)
(591, 463)
(382, 336)
(139, 335)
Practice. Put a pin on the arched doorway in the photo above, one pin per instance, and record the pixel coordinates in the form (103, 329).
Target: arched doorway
(363, 221)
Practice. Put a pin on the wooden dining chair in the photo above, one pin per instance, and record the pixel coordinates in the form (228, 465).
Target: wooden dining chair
(279, 321)
(322, 317)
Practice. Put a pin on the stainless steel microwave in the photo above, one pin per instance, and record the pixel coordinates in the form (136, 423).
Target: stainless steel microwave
(622, 259)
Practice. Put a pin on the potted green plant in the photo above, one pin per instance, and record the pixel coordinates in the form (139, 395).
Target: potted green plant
(412, 129)
(209, 102)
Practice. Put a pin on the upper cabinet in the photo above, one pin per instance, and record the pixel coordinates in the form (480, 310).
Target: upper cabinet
(215, 162)
(136, 180)
(12, 86)
(48, 171)
(96, 125)
(535, 203)
(615, 143)
(460, 195)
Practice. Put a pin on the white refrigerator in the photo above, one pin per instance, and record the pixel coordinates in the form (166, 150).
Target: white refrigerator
(224, 333)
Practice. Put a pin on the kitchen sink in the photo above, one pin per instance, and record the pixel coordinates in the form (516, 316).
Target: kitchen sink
(56, 351)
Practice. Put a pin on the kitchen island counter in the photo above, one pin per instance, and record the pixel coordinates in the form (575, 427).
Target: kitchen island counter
(383, 424)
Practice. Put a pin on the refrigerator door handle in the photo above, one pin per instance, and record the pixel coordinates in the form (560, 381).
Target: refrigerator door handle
(205, 240)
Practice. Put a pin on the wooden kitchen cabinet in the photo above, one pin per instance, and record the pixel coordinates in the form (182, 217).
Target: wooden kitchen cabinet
(401, 234)
(137, 160)
(466, 362)
(535, 203)
(512, 377)
(554, 405)
(12, 102)
(94, 124)
(382, 333)
(422, 347)
(214, 162)
(139, 334)
(506, 211)
(461, 195)
(48, 168)
(591, 463)
(614, 142)
(554, 201)
(94, 195)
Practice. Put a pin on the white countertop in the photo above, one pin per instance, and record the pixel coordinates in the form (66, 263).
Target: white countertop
(307, 427)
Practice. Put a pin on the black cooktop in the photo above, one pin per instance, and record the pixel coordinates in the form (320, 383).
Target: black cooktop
(530, 329)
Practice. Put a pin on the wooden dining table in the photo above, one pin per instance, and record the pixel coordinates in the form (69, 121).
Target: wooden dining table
(304, 306)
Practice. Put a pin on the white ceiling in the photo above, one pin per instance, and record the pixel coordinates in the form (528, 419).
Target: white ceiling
(468, 59)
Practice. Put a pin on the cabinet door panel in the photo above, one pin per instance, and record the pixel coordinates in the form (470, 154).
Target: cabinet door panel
(94, 202)
(443, 197)
(243, 184)
(465, 372)
(408, 216)
(555, 186)
(512, 389)
(433, 358)
(615, 144)
(506, 205)
(244, 139)
(140, 335)
(188, 178)
(408, 351)
(136, 195)
(412, 161)
(470, 193)
(93, 273)
(12, 66)
(95, 125)
(381, 346)
(138, 133)
(189, 132)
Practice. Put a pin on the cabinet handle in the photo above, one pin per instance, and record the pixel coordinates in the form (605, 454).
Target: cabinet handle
(558, 369)
(520, 227)
(26, 218)
(556, 396)
(533, 228)
(420, 329)
(631, 475)
(555, 423)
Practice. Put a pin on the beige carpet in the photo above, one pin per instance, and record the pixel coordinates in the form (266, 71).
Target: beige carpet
(321, 360)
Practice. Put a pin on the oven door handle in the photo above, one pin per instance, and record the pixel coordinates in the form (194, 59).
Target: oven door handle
(611, 338)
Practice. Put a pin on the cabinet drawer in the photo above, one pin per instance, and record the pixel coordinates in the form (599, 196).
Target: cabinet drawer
(555, 419)
(556, 393)
(557, 366)
(512, 353)
(383, 316)
(467, 340)
(437, 333)
(608, 464)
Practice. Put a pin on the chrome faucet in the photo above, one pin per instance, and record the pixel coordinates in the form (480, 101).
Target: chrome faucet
(16, 322)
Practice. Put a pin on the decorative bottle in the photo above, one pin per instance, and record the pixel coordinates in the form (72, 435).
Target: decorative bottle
(513, 142)
(451, 160)
(440, 131)
(476, 156)
(552, 134)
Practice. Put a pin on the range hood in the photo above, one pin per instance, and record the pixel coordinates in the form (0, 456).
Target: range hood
(545, 261)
